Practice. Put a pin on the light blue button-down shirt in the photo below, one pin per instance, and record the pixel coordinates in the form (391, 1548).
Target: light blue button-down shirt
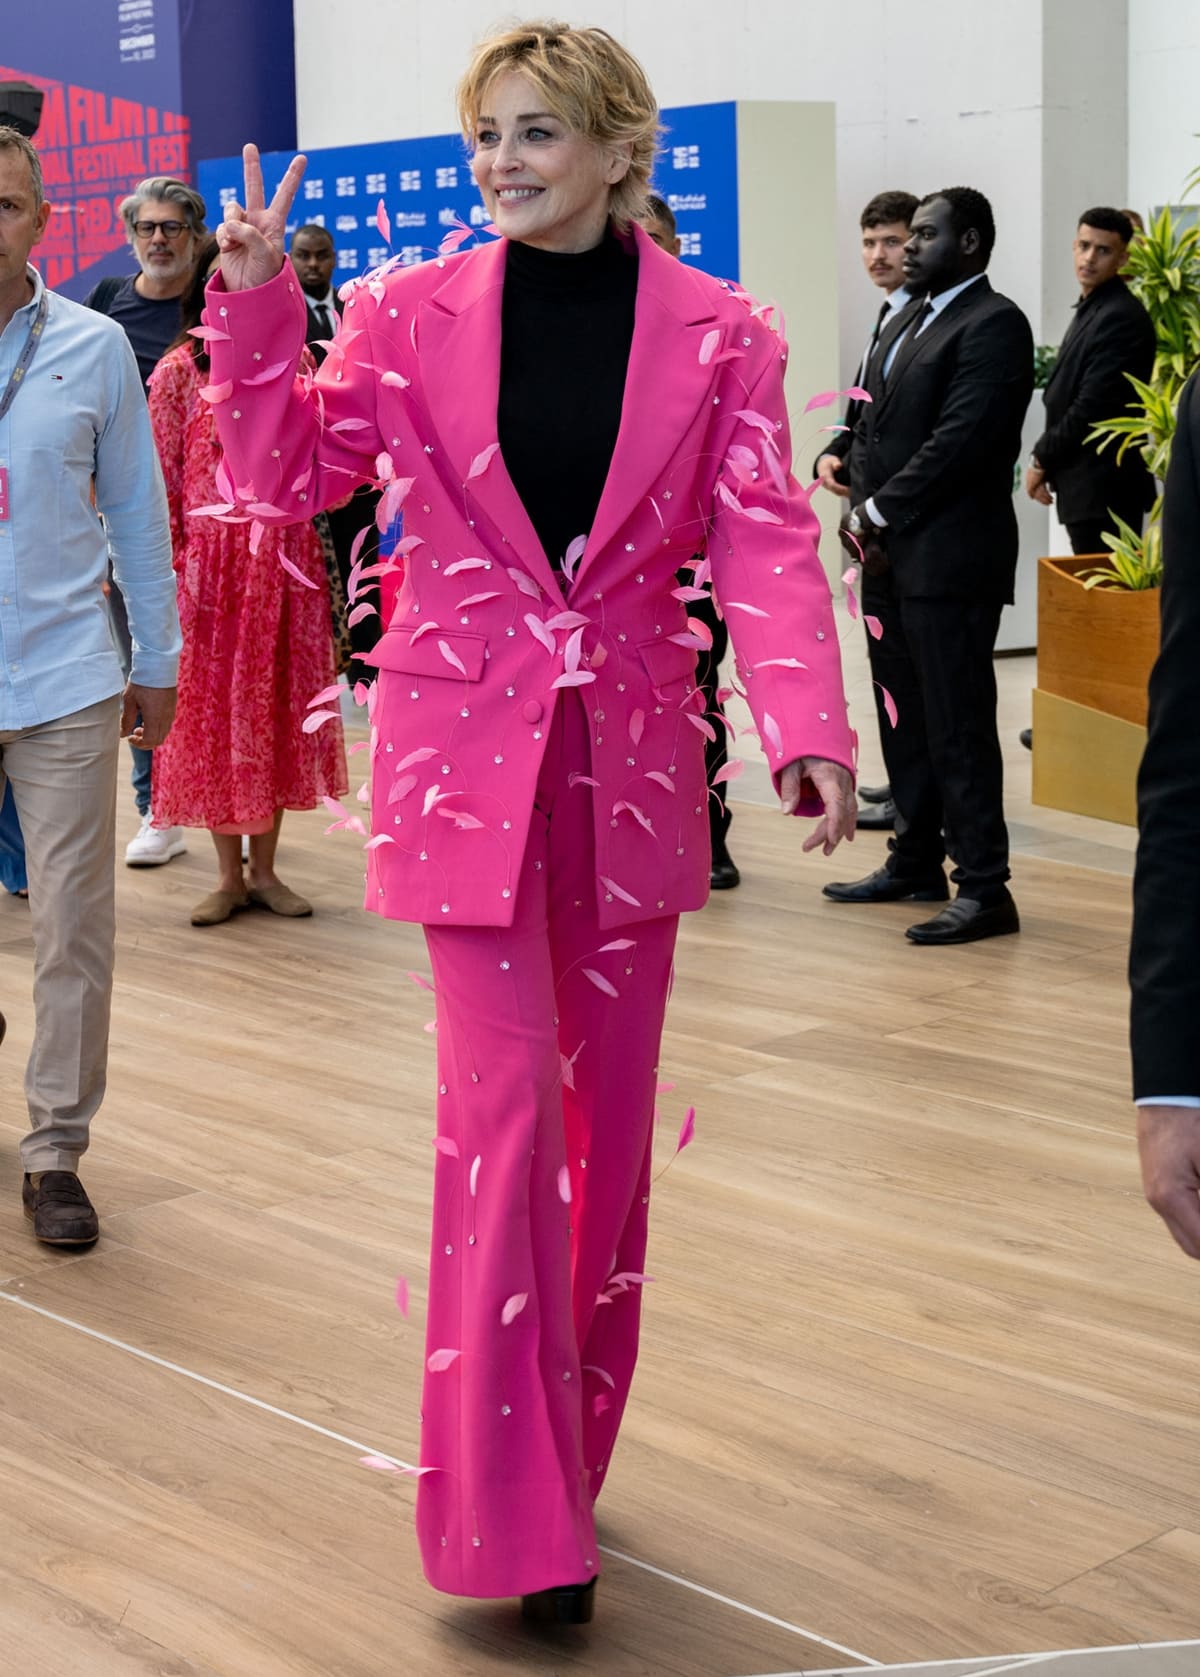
(79, 415)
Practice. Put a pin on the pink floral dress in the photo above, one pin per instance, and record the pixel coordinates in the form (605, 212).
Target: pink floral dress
(257, 643)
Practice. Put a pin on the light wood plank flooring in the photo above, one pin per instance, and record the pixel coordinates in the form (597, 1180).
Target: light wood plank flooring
(920, 1372)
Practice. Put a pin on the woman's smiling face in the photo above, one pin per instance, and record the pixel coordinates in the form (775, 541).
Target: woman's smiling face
(542, 184)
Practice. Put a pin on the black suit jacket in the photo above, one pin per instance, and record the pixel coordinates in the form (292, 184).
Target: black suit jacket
(1110, 335)
(938, 447)
(1164, 963)
(316, 331)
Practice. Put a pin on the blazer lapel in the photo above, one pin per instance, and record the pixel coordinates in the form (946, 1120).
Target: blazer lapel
(458, 348)
(665, 385)
(939, 325)
(894, 329)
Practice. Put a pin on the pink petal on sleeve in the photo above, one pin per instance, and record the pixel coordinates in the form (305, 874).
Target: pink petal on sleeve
(771, 730)
(316, 719)
(740, 605)
(482, 461)
(294, 570)
(276, 370)
(513, 1308)
(215, 393)
(395, 381)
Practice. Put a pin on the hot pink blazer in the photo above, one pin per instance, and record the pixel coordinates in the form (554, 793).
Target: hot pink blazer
(484, 638)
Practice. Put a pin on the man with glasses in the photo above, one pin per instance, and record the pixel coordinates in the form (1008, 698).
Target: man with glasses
(164, 223)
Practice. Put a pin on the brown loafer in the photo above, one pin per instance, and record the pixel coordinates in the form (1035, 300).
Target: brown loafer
(60, 1210)
(217, 907)
(281, 899)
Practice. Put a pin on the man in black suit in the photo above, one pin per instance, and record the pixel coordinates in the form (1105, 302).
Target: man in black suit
(884, 224)
(314, 258)
(1110, 336)
(931, 472)
(1164, 970)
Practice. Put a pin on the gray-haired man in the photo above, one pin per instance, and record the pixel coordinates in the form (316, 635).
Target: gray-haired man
(164, 223)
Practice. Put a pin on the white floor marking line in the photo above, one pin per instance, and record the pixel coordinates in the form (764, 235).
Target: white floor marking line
(728, 1601)
(200, 1379)
(370, 1450)
(1009, 1662)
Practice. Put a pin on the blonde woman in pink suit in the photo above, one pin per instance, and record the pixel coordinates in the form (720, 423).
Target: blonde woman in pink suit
(566, 415)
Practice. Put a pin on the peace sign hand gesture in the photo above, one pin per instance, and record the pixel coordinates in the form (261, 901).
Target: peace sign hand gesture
(251, 239)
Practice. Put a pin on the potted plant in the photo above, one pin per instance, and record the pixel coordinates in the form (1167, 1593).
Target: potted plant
(1098, 616)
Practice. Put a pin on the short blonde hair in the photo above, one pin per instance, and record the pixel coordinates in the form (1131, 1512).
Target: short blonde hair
(590, 82)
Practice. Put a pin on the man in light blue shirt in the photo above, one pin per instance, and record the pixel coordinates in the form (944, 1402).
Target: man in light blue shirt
(73, 420)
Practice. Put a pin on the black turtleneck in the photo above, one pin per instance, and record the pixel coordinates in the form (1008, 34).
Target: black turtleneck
(567, 324)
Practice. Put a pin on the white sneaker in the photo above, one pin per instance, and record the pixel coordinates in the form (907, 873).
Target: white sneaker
(151, 846)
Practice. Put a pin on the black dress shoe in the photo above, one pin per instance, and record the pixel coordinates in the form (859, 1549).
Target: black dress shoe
(877, 818)
(1026, 738)
(875, 794)
(60, 1210)
(883, 886)
(966, 921)
(724, 875)
(569, 1604)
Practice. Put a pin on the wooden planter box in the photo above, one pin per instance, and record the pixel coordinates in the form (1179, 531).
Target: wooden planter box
(1096, 648)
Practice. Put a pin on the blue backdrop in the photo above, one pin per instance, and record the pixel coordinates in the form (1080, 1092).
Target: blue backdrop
(427, 188)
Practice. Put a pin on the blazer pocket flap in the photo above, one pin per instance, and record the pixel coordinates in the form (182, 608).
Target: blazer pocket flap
(666, 661)
(439, 652)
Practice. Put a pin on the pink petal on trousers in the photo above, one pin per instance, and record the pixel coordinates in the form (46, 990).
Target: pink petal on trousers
(637, 723)
(575, 778)
(602, 1373)
(474, 1181)
(617, 943)
(564, 1185)
(445, 1145)
(513, 1308)
(439, 1361)
(599, 980)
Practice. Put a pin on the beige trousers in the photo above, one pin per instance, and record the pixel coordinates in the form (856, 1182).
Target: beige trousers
(64, 781)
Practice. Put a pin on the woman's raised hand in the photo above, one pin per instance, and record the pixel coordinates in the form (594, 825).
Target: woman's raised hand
(251, 238)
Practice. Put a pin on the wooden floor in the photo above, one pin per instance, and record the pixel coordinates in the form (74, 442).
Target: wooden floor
(921, 1372)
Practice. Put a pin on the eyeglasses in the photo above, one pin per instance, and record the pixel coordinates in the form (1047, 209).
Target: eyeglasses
(168, 229)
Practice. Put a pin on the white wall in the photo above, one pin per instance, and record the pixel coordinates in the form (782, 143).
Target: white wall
(1164, 107)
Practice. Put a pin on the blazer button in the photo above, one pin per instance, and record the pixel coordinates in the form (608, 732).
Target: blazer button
(531, 710)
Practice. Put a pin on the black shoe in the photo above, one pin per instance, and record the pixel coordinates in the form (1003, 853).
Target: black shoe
(883, 886)
(966, 921)
(1026, 738)
(724, 875)
(569, 1604)
(61, 1212)
(877, 818)
(875, 794)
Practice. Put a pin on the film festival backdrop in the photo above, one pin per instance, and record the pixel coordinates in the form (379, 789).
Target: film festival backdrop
(428, 192)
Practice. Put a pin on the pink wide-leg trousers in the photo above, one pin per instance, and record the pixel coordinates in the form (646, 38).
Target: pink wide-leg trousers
(546, 1084)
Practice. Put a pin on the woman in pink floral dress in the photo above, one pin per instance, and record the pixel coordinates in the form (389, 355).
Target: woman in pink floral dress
(257, 647)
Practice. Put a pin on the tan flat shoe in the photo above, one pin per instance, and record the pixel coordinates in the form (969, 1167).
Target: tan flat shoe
(281, 899)
(216, 907)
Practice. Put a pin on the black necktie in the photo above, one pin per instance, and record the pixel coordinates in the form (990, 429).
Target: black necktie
(906, 343)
